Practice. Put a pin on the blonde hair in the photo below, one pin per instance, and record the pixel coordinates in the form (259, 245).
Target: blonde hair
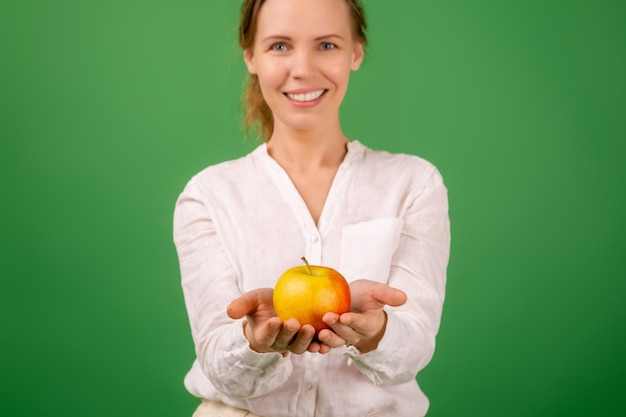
(256, 113)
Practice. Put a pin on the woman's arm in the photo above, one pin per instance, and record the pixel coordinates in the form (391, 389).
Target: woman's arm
(419, 270)
(209, 284)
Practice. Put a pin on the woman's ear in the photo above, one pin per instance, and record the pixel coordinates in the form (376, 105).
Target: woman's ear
(248, 59)
(357, 56)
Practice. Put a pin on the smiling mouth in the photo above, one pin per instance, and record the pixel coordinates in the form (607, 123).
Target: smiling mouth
(305, 97)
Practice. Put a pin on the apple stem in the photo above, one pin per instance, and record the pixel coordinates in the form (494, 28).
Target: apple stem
(307, 265)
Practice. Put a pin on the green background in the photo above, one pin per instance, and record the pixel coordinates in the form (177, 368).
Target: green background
(108, 108)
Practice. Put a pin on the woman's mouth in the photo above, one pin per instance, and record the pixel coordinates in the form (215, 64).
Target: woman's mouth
(306, 97)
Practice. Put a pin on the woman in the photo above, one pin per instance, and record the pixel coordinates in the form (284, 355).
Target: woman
(379, 219)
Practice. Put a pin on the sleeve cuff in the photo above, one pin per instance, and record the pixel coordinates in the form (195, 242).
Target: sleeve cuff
(383, 363)
(249, 356)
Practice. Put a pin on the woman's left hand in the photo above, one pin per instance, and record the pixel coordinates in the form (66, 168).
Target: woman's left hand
(364, 326)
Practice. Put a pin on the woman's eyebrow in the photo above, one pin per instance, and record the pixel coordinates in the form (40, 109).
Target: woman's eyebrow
(329, 36)
(275, 37)
(288, 38)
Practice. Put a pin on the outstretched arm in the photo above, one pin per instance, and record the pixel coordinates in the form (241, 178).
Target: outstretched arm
(393, 332)
(209, 284)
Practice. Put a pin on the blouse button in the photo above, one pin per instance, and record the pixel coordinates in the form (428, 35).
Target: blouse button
(315, 239)
(309, 386)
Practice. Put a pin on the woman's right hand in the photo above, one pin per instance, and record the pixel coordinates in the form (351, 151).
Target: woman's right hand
(266, 332)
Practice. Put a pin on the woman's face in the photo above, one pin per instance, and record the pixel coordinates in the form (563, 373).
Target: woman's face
(303, 54)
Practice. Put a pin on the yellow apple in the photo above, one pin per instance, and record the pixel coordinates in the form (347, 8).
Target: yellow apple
(308, 292)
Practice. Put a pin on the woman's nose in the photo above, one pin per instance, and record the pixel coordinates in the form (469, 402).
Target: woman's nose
(303, 64)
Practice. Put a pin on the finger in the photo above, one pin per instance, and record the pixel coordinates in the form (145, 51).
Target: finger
(324, 349)
(331, 339)
(265, 334)
(318, 347)
(303, 339)
(363, 324)
(328, 336)
(388, 295)
(341, 334)
(247, 303)
(286, 334)
(314, 347)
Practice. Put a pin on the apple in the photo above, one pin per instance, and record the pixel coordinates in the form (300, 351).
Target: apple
(308, 292)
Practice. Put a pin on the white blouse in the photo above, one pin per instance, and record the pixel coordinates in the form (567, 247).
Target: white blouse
(239, 224)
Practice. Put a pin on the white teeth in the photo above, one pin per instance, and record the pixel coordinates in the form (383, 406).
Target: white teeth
(314, 95)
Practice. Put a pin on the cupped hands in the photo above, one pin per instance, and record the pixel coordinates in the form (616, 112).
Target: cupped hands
(362, 327)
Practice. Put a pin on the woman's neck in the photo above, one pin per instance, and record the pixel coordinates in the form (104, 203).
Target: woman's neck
(307, 150)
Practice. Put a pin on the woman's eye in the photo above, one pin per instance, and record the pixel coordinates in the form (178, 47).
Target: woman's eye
(327, 46)
(279, 47)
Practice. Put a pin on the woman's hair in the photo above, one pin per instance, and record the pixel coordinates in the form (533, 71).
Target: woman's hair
(256, 111)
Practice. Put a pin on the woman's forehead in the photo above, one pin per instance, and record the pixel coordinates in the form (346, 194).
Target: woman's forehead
(303, 18)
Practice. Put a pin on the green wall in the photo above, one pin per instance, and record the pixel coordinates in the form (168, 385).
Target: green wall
(107, 109)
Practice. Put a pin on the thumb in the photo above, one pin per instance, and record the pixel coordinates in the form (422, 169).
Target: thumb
(388, 295)
(248, 303)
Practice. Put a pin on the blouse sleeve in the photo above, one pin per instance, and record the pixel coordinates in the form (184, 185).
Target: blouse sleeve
(209, 284)
(418, 268)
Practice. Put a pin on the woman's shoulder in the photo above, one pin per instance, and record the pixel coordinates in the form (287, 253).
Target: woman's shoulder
(383, 162)
(227, 172)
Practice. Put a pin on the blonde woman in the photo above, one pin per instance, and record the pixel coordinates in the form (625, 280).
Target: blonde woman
(378, 218)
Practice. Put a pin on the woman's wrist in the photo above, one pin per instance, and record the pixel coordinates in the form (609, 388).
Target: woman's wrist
(247, 332)
(369, 344)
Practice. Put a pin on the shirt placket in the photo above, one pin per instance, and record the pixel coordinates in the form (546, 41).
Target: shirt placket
(313, 246)
(308, 396)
